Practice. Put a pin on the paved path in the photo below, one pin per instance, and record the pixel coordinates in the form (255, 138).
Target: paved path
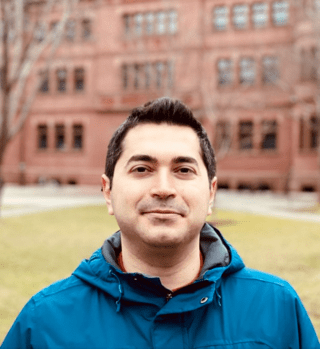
(294, 206)
(18, 201)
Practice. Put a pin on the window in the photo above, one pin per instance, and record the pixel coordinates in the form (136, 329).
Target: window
(125, 76)
(314, 132)
(150, 18)
(86, 30)
(60, 137)
(159, 74)
(77, 136)
(309, 133)
(70, 30)
(44, 81)
(270, 73)
(172, 22)
(313, 63)
(148, 75)
(301, 133)
(220, 18)
(247, 71)
(222, 135)
(259, 14)
(269, 134)
(170, 73)
(151, 23)
(79, 79)
(42, 137)
(61, 80)
(127, 24)
(240, 16)
(246, 135)
(137, 79)
(138, 21)
(161, 23)
(225, 72)
(280, 13)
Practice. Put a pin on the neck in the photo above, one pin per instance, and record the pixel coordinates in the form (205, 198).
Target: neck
(176, 267)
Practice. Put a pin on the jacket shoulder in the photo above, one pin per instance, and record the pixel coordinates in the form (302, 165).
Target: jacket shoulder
(259, 277)
(68, 284)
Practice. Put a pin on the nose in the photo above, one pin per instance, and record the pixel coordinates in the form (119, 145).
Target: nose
(163, 186)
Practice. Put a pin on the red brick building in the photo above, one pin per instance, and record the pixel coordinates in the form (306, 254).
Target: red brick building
(247, 68)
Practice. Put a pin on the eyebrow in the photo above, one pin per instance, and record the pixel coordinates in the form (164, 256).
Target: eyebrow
(142, 157)
(185, 159)
(176, 160)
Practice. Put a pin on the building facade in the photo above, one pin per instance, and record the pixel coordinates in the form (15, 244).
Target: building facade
(248, 69)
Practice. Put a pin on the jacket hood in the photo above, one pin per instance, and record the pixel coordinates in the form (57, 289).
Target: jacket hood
(102, 271)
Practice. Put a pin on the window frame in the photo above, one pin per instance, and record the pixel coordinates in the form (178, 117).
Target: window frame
(273, 67)
(225, 80)
(77, 133)
(44, 85)
(61, 80)
(278, 13)
(42, 131)
(269, 128)
(60, 131)
(247, 69)
(258, 24)
(244, 13)
(246, 132)
(79, 71)
(220, 18)
(86, 29)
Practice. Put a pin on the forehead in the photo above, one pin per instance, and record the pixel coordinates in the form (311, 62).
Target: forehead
(161, 139)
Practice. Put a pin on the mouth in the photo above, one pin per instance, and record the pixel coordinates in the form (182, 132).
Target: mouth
(162, 212)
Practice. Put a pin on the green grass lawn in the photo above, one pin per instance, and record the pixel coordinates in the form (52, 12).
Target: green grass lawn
(39, 249)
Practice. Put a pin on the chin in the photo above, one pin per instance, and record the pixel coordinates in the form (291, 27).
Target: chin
(168, 239)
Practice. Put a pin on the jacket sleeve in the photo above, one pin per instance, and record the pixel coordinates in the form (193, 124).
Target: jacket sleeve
(307, 336)
(19, 336)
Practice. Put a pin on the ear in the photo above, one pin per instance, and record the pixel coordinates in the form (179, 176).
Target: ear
(213, 190)
(107, 193)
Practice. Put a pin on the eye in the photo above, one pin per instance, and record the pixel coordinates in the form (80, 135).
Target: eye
(140, 169)
(186, 171)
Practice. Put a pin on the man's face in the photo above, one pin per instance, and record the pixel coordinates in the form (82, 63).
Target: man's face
(160, 192)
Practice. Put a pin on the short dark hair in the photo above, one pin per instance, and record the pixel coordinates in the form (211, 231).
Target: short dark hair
(162, 110)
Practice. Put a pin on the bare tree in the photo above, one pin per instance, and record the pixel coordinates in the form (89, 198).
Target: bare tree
(25, 38)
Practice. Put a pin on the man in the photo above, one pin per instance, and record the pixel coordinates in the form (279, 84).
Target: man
(167, 279)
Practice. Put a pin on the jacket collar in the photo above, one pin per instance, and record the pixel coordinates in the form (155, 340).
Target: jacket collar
(102, 272)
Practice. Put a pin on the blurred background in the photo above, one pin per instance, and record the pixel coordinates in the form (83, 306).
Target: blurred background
(72, 70)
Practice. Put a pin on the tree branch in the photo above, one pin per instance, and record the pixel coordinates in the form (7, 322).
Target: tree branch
(35, 51)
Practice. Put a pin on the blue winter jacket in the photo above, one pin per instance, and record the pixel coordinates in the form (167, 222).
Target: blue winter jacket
(228, 306)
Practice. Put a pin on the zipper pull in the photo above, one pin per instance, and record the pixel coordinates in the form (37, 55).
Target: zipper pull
(169, 296)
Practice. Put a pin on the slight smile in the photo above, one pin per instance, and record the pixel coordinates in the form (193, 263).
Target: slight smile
(163, 212)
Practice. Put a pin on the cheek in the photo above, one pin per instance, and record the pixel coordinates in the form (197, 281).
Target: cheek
(125, 198)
